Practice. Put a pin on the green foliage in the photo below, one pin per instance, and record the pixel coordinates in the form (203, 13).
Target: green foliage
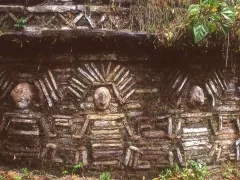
(65, 172)
(18, 178)
(26, 172)
(194, 170)
(21, 23)
(230, 172)
(77, 167)
(200, 170)
(105, 176)
(1, 177)
(209, 16)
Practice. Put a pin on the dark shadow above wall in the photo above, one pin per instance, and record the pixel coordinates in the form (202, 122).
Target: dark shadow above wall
(132, 46)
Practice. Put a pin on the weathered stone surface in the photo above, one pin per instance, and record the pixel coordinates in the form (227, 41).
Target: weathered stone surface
(107, 110)
(196, 97)
(102, 98)
(22, 95)
(104, 113)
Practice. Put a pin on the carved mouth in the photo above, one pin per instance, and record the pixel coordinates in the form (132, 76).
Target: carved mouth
(23, 104)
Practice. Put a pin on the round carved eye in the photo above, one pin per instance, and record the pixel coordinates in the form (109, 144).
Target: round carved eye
(102, 98)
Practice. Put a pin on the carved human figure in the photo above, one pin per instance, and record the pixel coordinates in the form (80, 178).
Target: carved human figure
(61, 143)
(20, 129)
(106, 132)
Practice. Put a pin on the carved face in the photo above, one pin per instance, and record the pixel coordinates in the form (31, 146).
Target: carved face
(102, 98)
(196, 97)
(22, 95)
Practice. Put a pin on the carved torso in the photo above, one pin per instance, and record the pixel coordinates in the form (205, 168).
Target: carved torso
(107, 139)
(23, 134)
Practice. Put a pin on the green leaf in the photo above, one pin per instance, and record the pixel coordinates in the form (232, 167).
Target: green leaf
(228, 14)
(212, 2)
(194, 9)
(212, 26)
(200, 31)
(215, 17)
(225, 28)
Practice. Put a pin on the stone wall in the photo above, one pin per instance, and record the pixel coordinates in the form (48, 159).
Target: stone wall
(76, 87)
(110, 114)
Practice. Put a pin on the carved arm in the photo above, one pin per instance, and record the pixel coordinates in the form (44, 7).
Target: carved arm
(45, 128)
(129, 130)
(3, 124)
(79, 134)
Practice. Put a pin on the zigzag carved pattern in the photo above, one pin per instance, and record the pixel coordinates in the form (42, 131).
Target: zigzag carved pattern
(66, 17)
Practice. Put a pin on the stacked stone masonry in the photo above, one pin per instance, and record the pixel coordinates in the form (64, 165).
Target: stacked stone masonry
(110, 113)
(104, 114)
(55, 16)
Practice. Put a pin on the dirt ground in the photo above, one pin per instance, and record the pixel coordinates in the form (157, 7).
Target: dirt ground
(17, 175)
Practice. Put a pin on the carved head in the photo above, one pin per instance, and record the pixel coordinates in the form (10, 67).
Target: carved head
(196, 97)
(22, 95)
(102, 98)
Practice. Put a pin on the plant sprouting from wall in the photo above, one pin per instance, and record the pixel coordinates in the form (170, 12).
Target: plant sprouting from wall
(209, 16)
(105, 176)
(21, 23)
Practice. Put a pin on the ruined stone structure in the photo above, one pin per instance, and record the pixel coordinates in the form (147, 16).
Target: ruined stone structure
(72, 90)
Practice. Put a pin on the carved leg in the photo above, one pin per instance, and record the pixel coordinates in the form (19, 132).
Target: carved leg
(132, 157)
(44, 152)
(84, 153)
(3, 125)
(237, 150)
(1, 148)
(54, 157)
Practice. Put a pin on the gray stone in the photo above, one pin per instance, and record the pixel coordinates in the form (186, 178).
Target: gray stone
(102, 98)
(196, 97)
(22, 95)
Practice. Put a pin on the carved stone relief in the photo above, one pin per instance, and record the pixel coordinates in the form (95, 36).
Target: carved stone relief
(196, 96)
(63, 16)
(21, 128)
(95, 113)
(193, 85)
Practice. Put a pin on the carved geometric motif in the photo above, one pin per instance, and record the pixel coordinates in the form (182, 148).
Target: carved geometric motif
(57, 17)
(5, 84)
(108, 126)
(48, 89)
(90, 75)
(179, 84)
(215, 85)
